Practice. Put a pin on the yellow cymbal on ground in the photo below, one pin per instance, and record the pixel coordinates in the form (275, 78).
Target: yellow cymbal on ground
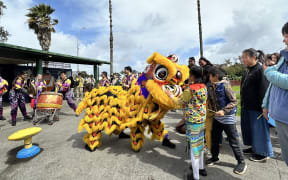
(24, 133)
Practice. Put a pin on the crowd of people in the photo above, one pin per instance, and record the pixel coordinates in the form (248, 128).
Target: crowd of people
(24, 88)
(82, 85)
(21, 87)
(211, 105)
(115, 79)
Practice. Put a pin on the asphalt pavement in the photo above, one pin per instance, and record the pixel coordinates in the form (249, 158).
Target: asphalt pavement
(63, 155)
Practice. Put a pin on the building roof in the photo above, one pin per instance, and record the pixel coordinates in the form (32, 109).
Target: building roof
(12, 54)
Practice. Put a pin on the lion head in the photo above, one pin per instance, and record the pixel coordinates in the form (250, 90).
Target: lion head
(160, 75)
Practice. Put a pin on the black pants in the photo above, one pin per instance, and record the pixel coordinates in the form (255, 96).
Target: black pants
(231, 131)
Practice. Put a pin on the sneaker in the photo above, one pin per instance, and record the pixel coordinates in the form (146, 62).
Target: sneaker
(258, 158)
(202, 172)
(122, 135)
(27, 118)
(13, 123)
(240, 168)
(212, 161)
(248, 151)
(166, 142)
(2, 118)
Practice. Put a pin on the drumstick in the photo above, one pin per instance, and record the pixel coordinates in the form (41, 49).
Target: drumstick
(260, 116)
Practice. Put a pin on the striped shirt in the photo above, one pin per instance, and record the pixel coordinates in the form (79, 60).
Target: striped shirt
(226, 119)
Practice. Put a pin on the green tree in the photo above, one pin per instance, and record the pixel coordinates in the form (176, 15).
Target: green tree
(235, 71)
(3, 33)
(40, 21)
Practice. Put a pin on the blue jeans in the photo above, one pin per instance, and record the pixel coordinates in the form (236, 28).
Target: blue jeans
(282, 130)
(256, 132)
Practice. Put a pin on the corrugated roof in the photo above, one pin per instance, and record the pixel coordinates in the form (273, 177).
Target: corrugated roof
(23, 54)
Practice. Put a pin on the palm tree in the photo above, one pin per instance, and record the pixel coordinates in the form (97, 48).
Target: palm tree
(40, 21)
(200, 29)
(111, 38)
(228, 62)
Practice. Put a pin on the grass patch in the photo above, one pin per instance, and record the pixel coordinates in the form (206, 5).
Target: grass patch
(236, 89)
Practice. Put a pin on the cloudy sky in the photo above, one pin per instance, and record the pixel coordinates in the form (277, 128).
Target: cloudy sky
(143, 27)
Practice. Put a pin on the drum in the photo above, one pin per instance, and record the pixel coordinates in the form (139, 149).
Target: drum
(50, 100)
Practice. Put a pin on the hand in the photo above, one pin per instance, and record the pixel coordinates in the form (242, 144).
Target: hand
(30, 95)
(265, 114)
(220, 113)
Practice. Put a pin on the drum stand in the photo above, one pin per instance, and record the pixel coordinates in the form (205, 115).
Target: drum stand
(45, 114)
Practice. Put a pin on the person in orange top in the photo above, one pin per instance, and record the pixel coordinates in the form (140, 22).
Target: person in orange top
(3, 90)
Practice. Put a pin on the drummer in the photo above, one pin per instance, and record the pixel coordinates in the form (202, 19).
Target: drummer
(63, 86)
(38, 85)
(17, 98)
(3, 90)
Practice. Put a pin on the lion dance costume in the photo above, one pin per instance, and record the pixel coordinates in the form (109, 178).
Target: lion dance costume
(111, 109)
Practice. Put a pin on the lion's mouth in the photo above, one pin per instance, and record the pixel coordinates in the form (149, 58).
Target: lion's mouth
(156, 111)
(174, 89)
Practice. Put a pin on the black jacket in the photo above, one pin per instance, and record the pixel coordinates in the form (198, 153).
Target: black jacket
(206, 70)
(253, 87)
(187, 80)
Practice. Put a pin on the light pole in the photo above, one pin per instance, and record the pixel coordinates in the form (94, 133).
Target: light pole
(111, 38)
(200, 29)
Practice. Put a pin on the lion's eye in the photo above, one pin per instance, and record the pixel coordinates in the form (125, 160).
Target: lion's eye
(179, 75)
(161, 72)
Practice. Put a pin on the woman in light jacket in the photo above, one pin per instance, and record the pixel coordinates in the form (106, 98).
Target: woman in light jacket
(275, 101)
